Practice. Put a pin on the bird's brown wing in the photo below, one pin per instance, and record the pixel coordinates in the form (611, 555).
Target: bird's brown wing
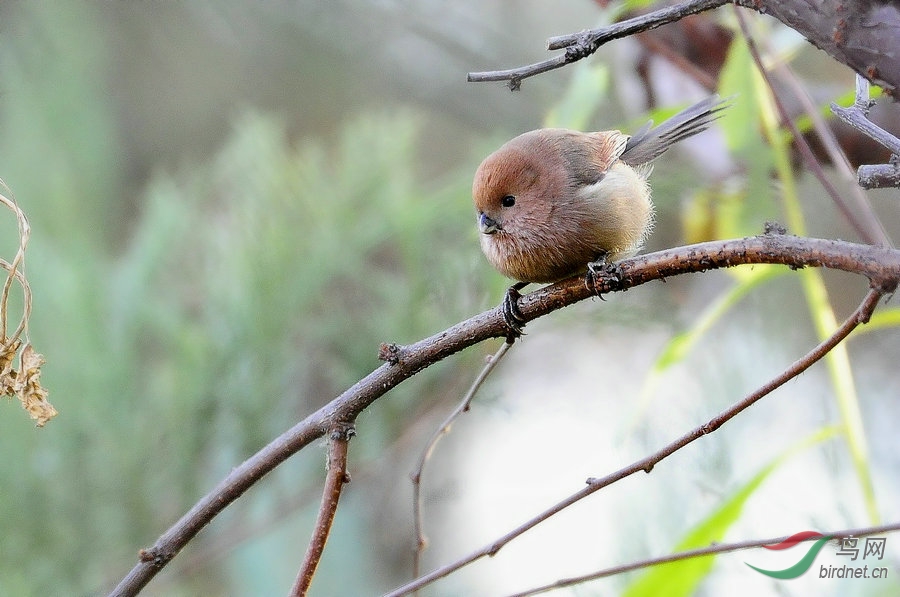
(590, 161)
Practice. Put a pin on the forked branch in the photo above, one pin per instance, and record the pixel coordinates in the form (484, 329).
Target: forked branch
(871, 176)
(335, 478)
(581, 45)
(859, 316)
(880, 265)
(861, 34)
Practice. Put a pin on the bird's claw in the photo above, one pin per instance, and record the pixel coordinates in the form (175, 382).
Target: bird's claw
(601, 271)
(512, 316)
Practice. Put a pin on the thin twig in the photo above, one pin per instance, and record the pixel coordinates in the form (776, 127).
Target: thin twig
(418, 523)
(856, 114)
(335, 478)
(704, 551)
(860, 315)
(881, 266)
(515, 75)
(880, 176)
(581, 45)
(871, 176)
(867, 233)
(646, 22)
(245, 527)
(838, 159)
(14, 272)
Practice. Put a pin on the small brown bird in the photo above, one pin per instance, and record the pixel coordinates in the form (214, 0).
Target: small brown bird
(553, 200)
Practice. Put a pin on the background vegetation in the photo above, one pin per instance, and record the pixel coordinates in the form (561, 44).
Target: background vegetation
(233, 204)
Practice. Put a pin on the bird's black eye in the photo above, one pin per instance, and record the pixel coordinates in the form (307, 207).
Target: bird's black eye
(508, 201)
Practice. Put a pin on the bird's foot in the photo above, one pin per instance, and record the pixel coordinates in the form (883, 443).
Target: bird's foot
(603, 276)
(512, 316)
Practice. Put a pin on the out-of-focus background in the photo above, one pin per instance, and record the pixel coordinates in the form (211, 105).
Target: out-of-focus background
(234, 203)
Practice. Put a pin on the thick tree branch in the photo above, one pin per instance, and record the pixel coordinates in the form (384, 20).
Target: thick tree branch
(881, 266)
(861, 34)
(861, 315)
(865, 224)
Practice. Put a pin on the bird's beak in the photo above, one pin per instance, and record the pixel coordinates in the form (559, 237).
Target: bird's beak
(487, 225)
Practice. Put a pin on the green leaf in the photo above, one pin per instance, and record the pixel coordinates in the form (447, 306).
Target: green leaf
(684, 577)
(741, 82)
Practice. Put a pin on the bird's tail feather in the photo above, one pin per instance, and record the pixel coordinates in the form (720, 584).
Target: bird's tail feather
(648, 143)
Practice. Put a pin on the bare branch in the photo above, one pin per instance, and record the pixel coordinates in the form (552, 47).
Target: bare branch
(418, 524)
(883, 175)
(705, 551)
(581, 45)
(638, 24)
(873, 233)
(870, 221)
(861, 34)
(880, 176)
(860, 315)
(515, 75)
(335, 478)
(880, 265)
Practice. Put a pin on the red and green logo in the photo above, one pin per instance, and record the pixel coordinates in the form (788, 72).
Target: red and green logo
(805, 562)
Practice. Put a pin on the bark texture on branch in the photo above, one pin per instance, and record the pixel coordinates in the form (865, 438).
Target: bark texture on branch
(863, 34)
(881, 266)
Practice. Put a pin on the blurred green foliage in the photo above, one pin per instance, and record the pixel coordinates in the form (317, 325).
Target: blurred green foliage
(190, 320)
(243, 293)
(248, 292)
